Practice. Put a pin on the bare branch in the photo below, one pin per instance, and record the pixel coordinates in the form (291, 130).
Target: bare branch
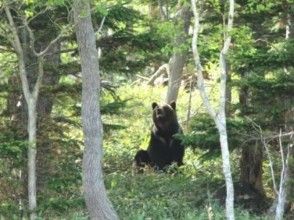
(200, 78)
(158, 73)
(32, 41)
(19, 51)
(16, 40)
(101, 25)
(36, 15)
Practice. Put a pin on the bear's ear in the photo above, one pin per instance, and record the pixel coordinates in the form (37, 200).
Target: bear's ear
(173, 105)
(154, 105)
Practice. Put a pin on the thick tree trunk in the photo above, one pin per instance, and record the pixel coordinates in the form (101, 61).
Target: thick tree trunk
(178, 59)
(44, 109)
(250, 173)
(97, 202)
(251, 167)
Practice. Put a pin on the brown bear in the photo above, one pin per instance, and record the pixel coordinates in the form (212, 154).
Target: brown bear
(164, 148)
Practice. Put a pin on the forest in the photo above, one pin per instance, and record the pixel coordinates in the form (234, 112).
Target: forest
(147, 109)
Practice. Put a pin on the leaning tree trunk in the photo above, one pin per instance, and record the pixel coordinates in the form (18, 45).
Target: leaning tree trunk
(178, 59)
(97, 202)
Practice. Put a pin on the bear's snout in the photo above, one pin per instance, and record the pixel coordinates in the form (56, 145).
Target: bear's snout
(159, 113)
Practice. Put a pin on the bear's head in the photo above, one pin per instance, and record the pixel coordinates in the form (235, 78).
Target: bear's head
(164, 117)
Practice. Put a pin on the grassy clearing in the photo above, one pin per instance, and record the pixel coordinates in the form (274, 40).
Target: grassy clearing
(184, 195)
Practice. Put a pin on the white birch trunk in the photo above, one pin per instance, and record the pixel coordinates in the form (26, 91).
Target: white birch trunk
(221, 126)
(283, 181)
(97, 202)
(219, 117)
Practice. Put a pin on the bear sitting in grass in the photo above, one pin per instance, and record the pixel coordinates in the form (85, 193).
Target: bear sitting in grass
(164, 149)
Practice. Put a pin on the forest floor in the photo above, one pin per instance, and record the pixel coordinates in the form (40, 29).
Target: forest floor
(188, 193)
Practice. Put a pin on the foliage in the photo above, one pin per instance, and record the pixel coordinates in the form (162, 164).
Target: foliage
(135, 40)
(204, 134)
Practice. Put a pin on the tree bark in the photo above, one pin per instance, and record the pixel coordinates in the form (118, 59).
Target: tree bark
(31, 94)
(178, 59)
(32, 151)
(31, 99)
(219, 117)
(97, 202)
(251, 172)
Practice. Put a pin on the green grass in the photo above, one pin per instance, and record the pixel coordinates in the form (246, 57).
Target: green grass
(186, 194)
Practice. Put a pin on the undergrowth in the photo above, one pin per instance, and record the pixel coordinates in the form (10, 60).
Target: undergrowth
(187, 193)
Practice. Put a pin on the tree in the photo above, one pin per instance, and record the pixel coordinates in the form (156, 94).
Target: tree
(178, 59)
(219, 117)
(96, 198)
(31, 98)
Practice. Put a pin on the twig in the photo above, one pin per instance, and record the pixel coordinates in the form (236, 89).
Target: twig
(101, 25)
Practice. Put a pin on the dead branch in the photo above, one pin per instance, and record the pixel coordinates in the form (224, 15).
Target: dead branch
(158, 73)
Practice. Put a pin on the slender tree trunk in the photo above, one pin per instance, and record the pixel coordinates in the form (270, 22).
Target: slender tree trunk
(97, 202)
(31, 97)
(287, 169)
(219, 117)
(32, 151)
(31, 100)
(222, 129)
(178, 59)
(228, 91)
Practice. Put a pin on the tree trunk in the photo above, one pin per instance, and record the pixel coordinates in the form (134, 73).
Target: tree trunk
(18, 110)
(97, 202)
(31, 93)
(218, 116)
(32, 151)
(251, 167)
(44, 109)
(250, 173)
(178, 59)
(228, 91)
(222, 129)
